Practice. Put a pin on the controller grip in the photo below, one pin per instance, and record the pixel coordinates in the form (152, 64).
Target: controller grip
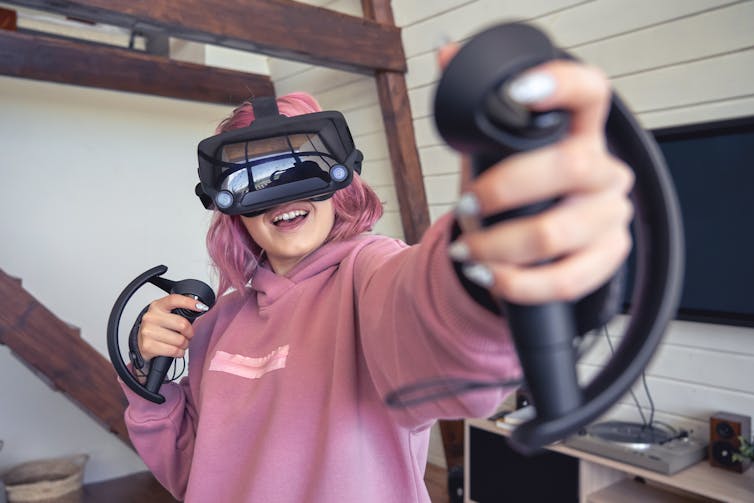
(543, 336)
(157, 371)
(195, 289)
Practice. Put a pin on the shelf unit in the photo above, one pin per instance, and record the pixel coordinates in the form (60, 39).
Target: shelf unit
(602, 479)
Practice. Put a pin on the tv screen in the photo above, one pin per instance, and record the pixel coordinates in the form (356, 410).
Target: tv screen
(712, 167)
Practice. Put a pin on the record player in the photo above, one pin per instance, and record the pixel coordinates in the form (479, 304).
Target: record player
(640, 445)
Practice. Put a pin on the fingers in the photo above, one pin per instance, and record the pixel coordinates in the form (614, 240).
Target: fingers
(175, 301)
(156, 340)
(163, 333)
(563, 229)
(572, 166)
(577, 244)
(582, 89)
(582, 238)
(567, 279)
(446, 53)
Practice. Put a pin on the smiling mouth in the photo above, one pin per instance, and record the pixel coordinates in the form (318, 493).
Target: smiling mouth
(289, 218)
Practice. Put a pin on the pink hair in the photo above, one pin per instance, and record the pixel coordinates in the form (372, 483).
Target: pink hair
(235, 255)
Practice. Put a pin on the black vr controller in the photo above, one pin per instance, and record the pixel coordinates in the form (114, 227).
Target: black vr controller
(475, 117)
(159, 365)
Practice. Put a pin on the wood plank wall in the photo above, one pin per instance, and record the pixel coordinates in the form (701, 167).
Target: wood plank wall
(356, 96)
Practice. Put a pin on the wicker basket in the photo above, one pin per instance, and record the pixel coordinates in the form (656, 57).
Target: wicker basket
(47, 480)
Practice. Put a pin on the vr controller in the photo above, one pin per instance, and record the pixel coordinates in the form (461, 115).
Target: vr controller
(475, 117)
(159, 365)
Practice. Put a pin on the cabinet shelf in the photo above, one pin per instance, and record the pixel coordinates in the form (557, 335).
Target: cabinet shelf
(597, 473)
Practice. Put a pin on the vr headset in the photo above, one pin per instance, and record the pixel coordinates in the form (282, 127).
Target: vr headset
(275, 160)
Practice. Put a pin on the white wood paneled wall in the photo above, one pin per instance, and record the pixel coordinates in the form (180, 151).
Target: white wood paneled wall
(355, 95)
(675, 62)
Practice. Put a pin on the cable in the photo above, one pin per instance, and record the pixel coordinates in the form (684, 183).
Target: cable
(633, 395)
(176, 374)
(436, 388)
(649, 397)
(432, 389)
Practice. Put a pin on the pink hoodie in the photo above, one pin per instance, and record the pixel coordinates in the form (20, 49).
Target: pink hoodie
(284, 401)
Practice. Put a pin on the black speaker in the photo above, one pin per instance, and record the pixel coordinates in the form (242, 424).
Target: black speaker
(724, 430)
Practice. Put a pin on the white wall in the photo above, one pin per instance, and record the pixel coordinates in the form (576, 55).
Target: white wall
(97, 187)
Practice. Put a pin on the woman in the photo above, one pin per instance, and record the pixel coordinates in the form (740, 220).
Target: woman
(288, 373)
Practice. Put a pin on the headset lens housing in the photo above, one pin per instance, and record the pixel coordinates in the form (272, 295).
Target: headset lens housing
(276, 160)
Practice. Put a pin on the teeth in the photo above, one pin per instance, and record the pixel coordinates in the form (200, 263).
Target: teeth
(290, 215)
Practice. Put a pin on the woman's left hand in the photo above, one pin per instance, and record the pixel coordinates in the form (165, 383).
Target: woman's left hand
(570, 249)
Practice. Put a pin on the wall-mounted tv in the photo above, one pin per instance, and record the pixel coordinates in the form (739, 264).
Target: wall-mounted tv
(712, 166)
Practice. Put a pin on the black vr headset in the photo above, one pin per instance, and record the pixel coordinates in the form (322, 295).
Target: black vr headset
(275, 160)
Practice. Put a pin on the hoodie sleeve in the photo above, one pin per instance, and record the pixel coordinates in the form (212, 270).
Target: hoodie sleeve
(164, 434)
(417, 323)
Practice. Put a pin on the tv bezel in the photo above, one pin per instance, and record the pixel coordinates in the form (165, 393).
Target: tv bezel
(706, 130)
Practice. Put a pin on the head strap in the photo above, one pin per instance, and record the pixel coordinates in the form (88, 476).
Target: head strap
(264, 106)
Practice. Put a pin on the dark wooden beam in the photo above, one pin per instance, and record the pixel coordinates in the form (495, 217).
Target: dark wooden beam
(399, 127)
(280, 28)
(56, 352)
(409, 182)
(8, 19)
(95, 65)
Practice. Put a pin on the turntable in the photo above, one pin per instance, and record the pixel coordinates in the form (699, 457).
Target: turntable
(640, 445)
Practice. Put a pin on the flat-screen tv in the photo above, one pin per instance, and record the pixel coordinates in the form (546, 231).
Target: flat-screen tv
(712, 167)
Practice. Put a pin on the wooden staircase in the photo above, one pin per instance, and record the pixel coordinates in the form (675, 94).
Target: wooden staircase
(56, 352)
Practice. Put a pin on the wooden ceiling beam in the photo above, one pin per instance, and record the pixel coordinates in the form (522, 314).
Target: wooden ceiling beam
(322, 37)
(95, 65)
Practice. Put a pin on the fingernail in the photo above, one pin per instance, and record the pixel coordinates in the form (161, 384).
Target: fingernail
(468, 205)
(531, 88)
(459, 251)
(479, 274)
(202, 307)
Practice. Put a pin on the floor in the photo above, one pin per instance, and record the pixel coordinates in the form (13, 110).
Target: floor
(436, 479)
(136, 487)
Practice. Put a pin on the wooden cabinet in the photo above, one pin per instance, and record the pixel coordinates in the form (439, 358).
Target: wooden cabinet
(603, 480)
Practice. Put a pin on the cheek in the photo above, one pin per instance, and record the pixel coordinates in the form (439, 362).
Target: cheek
(327, 221)
(255, 228)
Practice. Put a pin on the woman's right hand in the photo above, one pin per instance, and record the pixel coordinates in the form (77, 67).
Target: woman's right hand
(164, 333)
